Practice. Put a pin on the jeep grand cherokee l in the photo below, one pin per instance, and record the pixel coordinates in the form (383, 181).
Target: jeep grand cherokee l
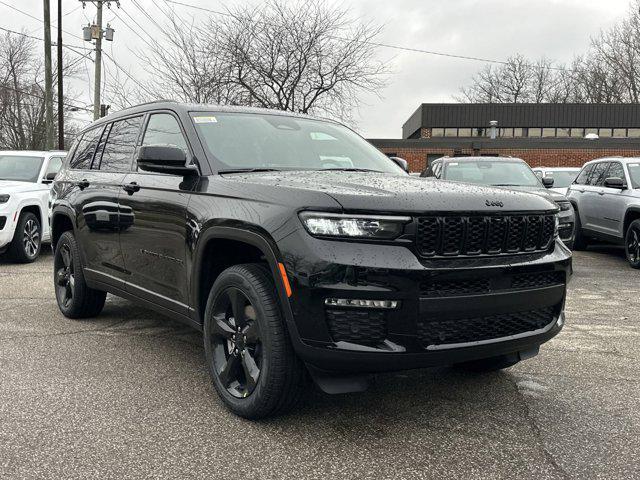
(298, 248)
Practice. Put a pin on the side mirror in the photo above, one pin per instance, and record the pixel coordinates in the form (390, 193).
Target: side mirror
(615, 182)
(49, 177)
(401, 162)
(547, 182)
(164, 159)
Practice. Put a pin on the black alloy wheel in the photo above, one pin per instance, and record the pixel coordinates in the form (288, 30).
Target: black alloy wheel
(236, 343)
(632, 244)
(65, 279)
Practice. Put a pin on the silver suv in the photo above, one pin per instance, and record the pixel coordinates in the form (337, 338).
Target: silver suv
(606, 198)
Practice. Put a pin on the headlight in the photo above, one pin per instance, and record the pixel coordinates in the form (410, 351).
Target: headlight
(4, 198)
(564, 205)
(353, 226)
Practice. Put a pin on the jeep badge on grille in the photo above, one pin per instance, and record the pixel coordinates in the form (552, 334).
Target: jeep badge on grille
(494, 203)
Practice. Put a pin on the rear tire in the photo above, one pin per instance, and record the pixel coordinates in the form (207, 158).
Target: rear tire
(632, 244)
(580, 241)
(491, 364)
(27, 239)
(248, 352)
(75, 298)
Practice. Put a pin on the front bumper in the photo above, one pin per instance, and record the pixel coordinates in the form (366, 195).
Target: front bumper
(448, 311)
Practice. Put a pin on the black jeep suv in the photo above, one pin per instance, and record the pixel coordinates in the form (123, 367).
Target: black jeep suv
(297, 248)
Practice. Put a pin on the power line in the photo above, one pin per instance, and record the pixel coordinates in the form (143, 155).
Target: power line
(64, 45)
(35, 18)
(377, 44)
(30, 94)
(128, 75)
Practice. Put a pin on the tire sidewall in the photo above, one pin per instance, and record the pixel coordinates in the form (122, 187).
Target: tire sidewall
(18, 248)
(243, 406)
(635, 225)
(68, 239)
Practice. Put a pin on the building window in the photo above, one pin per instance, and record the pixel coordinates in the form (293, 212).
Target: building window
(478, 132)
(633, 132)
(450, 132)
(577, 132)
(519, 132)
(548, 132)
(506, 132)
(535, 132)
(619, 132)
(437, 132)
(464, 132)
(604, 132)
(587, 131)
(563, 132)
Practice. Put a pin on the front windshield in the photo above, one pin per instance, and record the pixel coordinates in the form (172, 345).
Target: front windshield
(562, 178)
(487, 172)
(244, 141)
(20, 168)
(634, 173)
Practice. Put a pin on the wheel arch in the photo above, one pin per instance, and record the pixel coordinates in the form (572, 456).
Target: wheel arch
(209, 262)
(632, 213)
(61, 221)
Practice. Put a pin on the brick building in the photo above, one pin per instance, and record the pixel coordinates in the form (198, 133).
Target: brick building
(541, 134)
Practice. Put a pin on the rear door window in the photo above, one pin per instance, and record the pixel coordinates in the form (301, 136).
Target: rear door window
(583, 176)
(120, 145)
(598, 174)
(83, 155)
(616, 170)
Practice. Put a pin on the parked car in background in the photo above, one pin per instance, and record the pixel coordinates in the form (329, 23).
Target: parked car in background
(299, 248)
(24, 196)
(606, 199)
(562, 177)
(505, 172)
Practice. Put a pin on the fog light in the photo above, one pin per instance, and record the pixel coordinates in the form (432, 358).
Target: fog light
(354, 302)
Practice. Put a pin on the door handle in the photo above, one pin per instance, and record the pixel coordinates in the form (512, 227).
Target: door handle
(82, 184)
(131, 188)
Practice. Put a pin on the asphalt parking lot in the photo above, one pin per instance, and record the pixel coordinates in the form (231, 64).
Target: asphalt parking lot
(127, 395)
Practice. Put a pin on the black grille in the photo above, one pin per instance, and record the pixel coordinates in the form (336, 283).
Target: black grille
(357, 326)
(437, 287)
(465, 330)
(536, 280)
(478, 235)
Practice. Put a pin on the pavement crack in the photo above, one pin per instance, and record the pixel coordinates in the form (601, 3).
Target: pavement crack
(526, 411)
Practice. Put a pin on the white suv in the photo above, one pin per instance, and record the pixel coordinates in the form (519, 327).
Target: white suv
(24, 196)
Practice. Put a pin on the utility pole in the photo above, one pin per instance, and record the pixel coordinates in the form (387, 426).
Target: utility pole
(48, 81)
(95, 32)
(60, 82)
(97, 79)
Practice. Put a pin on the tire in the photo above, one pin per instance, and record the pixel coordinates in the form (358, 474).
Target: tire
(75, 299)
(632, 244)
(491, 364)
(580, 241)
(236, 345)
(27, 239)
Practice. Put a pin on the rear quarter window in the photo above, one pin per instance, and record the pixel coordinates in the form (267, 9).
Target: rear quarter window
(83, 156)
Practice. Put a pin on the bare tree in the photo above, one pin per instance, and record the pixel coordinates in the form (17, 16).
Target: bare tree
(22, 122)
(303, 57)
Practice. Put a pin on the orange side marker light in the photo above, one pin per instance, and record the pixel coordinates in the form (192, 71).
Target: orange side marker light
(285, 279)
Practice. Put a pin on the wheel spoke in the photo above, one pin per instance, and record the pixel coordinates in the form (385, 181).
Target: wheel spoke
(66, 256)
(61, 279)
(251, 370)
(238, 303)
(252, 333)
(221, 326)
(229, 370)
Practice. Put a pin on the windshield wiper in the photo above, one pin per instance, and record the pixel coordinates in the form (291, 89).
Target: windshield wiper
(249, 170)
(351, 169)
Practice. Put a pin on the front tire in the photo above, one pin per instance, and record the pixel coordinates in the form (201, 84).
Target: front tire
(75, 298)
(632, 244)
(249, 355)
(27, 239)
(580, 241)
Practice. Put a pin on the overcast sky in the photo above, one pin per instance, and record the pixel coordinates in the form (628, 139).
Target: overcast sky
(492, 29)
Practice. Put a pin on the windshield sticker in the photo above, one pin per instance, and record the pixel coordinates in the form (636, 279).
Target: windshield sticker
(208, 119)
(453, 164)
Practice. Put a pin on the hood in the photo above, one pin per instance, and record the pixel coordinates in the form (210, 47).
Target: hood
(545, 192)
(386, 192)
(9, 186)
